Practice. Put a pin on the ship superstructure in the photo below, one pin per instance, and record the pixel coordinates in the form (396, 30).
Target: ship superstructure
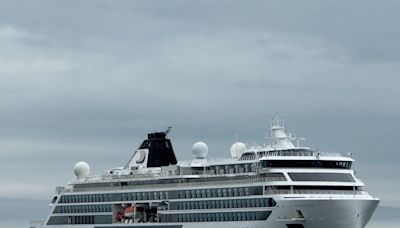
(276, 185)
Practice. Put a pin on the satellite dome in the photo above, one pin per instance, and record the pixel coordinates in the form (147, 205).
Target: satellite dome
(81, 169)
(200, 150)
(237, 149)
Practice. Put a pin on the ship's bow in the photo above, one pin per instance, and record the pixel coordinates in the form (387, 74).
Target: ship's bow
(326, 213)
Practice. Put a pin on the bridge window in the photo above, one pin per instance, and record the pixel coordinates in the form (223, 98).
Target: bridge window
(335, 177)
(306, 164)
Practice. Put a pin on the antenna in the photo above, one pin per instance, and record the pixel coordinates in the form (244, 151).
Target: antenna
(269, 127)
(168, 130)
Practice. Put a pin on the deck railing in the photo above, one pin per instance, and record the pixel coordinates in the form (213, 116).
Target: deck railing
(306, 191)
(248, 180)
(305, 153)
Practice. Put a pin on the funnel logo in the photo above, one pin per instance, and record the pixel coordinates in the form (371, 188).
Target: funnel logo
(142, 156)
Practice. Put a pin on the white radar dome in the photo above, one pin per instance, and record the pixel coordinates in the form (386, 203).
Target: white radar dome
(237, 149)
(81, 169)
(200, 150)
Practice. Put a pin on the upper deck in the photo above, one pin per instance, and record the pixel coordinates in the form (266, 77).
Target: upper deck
(253, 164)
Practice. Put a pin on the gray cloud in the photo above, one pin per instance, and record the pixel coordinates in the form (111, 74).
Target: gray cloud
(87, 81)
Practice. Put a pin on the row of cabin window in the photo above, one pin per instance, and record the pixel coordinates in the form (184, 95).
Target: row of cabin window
(181, 194)
(83, 208)
(87, 219)
(225, 169)
(217, 192)
(114, 197)
(216, 217)
(82, 219)
(305, 164)
(216, 204)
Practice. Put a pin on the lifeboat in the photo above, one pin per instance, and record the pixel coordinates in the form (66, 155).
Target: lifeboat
(129, 211)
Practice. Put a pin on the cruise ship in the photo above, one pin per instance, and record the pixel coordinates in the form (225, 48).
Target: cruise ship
(279, 184)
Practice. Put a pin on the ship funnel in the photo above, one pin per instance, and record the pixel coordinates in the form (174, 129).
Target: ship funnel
(155, 151)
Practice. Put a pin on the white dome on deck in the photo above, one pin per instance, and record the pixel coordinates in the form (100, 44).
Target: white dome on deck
(237, 149)
(81, 169)
(200, 150)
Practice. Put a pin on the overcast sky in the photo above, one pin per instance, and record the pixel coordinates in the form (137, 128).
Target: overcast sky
(87, 80)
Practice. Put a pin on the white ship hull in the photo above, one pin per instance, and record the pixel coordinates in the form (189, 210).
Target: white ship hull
(328, 212)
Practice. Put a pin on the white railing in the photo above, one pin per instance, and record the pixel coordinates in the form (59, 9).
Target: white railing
(337, 192)
(108, 178)
(322, 192)
(301, 154)
(232, 182)
(190, 184)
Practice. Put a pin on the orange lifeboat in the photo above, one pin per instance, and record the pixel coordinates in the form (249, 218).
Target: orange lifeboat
(129, 211)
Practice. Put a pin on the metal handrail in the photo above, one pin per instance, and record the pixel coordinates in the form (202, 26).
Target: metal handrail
(333, 192)
(290, 154)
(190, 184)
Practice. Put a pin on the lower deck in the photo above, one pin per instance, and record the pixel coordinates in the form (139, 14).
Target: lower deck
(327, 212)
